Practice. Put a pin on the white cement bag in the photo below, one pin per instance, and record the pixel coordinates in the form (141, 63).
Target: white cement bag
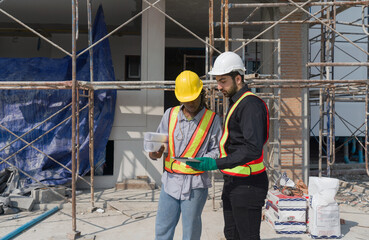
(324, 214)
(324, 221)
(323, 190)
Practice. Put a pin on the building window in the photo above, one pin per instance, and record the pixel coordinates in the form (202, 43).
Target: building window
(107, 168)
(133, 68)
(252, 66)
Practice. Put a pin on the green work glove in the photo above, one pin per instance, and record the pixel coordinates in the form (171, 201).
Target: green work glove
(205, 164)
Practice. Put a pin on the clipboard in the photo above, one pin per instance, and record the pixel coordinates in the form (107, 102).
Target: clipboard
(185, 159)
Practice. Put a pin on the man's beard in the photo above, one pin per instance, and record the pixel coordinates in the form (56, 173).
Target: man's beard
(232, 91)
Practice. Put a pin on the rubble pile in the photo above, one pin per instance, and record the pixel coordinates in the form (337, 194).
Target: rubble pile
(354, 193)
(16, 197)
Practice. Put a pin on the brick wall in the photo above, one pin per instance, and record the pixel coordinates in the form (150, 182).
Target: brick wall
(291, 114)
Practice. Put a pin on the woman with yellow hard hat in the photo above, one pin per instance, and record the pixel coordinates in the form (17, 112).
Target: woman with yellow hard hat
(193, 131)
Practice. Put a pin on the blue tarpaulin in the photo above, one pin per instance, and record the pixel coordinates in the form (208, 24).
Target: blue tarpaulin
(23, 111)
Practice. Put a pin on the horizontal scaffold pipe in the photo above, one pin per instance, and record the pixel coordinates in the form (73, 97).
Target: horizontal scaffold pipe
(164, 82)
(313, 85)
(246, 39)
(35, 85)
(270, 22)
(254, 80)
(254, 5)
(248, 80)
(255, 83)
(336, 64)
(352, 24)
(38, 83)
(364, 81)
(337, 99)
(251, 85)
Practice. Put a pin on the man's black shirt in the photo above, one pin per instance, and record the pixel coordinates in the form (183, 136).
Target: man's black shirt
(248, 131)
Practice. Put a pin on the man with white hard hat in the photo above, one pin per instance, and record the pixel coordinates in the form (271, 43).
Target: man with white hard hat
(246, 130)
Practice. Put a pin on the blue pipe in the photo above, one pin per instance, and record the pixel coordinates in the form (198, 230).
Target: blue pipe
(360, 153)
(29, 224)
(346, 151)
(353, 149)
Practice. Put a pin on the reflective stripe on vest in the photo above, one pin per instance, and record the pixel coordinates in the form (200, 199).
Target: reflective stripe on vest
(192, 147)
(254, 167)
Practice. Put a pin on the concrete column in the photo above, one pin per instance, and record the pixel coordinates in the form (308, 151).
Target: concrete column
(152, 68)
(236, 32)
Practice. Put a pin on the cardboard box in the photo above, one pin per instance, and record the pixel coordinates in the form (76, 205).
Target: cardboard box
(283, 201)
(287, 214)
(284, 227)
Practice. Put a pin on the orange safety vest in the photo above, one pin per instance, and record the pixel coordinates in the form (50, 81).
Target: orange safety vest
(251, 168)
(192, 147)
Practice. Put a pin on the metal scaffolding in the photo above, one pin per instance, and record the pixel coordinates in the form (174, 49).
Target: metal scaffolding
(323, 14)
(326, 90)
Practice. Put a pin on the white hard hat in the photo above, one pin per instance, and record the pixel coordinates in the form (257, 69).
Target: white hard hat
(228, 62)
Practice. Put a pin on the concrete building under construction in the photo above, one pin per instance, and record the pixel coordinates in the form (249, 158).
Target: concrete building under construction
(307, 59)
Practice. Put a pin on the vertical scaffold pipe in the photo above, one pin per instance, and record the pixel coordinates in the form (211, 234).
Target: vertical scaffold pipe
(221, 18)
(366, 126)
(91, 105)
(366, 110)
(226, 17)
(74, 85)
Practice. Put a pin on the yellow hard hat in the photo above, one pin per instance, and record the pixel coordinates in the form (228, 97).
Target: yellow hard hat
(188, 86)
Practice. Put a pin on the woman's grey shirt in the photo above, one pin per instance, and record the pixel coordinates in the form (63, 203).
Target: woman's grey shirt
(179, 185)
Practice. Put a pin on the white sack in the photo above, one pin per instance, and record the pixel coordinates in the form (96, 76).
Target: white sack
(323, 190)
(324, 221)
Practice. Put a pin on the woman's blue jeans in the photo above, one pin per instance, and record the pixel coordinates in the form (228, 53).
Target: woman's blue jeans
(170, 209)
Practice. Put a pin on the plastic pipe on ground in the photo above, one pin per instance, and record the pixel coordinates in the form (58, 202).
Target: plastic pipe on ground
(29, 224)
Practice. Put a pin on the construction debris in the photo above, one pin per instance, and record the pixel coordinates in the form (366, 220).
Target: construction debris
(48, 195)
(354, 193)
(22, 202)
(289, 188)
(285, 214)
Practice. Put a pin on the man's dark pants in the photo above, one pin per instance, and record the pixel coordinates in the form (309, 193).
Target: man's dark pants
(242, 209)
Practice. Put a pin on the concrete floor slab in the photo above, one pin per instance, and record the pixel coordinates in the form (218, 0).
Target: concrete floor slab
(130, 214)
